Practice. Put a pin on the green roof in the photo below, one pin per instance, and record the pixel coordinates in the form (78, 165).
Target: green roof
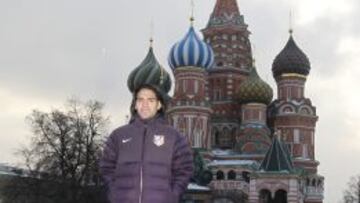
(254, 89)
(277, 158)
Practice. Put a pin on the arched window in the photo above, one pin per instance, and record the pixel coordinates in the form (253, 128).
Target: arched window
(231, 175)
(246, 176)
(196, 86)
(306, 111)
(225, 36)
(216, 94)
(226, 141)
(197, 137)
(217, 138)
(184, 84)
(288, 110)
(233, 136)
(220, 175)
(319, 183)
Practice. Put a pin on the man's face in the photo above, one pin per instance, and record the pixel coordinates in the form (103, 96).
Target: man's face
(146, 103)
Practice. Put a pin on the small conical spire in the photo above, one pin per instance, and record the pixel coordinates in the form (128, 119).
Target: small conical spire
(290, 23)
(192, 19)
(151, 40)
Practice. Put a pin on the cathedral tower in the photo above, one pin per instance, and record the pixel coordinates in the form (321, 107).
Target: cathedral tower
(292, 114)
(189, 110)
(228, 35)
(293, 117)
(253, 138)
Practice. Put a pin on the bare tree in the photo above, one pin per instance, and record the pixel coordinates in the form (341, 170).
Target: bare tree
(352, 193)
(62, 157)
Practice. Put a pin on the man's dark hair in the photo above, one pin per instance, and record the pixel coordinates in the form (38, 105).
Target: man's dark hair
(158, 94)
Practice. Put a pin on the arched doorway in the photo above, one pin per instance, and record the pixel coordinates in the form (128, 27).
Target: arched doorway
(265, 196)
(280, 196)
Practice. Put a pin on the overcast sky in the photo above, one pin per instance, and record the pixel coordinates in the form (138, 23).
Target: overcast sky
(52, 50)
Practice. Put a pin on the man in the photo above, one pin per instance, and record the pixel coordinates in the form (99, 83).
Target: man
(146, 161)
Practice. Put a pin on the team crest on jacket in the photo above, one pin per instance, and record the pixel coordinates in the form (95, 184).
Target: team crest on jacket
(159, 140)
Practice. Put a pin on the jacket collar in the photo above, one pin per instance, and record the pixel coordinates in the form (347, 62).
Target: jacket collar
(156, 120)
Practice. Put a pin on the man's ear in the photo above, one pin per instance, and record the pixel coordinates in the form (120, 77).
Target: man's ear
(135, 108)
(159, 106)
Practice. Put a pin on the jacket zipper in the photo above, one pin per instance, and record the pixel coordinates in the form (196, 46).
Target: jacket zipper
(141, 166)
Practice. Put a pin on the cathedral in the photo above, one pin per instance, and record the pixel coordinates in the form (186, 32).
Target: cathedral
(248, 146)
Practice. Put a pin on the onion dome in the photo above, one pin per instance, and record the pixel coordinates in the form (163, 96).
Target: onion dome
(149, 72)
(255, 90)
(191, 51)
(291, 60)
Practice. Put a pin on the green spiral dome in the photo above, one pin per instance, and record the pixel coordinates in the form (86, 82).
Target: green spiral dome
(149, 72)
(254, 90)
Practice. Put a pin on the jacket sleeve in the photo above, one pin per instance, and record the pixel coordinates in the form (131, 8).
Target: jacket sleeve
(182, 165)
(107, 162)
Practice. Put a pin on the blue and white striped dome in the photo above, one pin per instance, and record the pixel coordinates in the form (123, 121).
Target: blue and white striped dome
(191, 51)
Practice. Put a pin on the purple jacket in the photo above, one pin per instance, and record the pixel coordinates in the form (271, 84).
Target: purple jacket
(146, 162)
